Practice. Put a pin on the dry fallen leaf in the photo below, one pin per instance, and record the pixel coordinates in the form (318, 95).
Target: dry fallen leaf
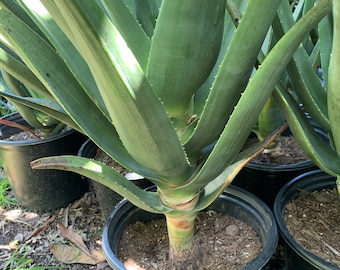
(71, 254)
(78, 253)
(98, 254)
(74, 237)
(12, 215)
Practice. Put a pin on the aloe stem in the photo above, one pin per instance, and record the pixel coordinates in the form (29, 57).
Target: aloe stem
(180, 225)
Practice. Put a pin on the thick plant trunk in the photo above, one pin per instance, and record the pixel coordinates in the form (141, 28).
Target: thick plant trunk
(182, 253)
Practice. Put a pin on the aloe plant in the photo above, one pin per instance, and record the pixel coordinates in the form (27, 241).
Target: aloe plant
(46, 124)
(271, 116)
(320, 98)
(168, 97)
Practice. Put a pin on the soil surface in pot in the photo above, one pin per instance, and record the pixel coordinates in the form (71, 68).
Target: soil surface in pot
(224, 242)
(35, 134)
(289, 152)
(313, 219)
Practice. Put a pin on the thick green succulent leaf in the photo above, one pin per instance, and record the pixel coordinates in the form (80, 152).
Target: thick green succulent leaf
(27, 113)
(185, 46)
(65, 48)
(46, 123)
(147, 13)
(255, 95)
(316, 149)
(20, 71)
(149, 137)
(16, 10)
(233, 73)
(333, 81)
(325, 31)
(202, 94)
(232, 18)
(302, 74)
(148, 201)
(308, 88)
(52, 71)
(215, 187)
(45, 106)
(131, 30)
(271, 118)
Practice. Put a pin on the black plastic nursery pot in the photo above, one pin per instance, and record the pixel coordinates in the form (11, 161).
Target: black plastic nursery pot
(233, 201)
(297, 257)
(265, 180)
(106, 197)
(40, 190)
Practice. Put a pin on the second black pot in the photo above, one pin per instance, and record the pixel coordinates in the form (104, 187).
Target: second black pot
(265, 180)
(40, 190)
(297, 257)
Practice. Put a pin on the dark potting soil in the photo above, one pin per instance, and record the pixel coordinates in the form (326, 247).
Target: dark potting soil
(224, 243)
(288, 153)
(35, 134)
(313, 219)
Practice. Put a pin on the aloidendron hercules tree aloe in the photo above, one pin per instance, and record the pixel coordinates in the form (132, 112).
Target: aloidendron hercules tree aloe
(163, 88)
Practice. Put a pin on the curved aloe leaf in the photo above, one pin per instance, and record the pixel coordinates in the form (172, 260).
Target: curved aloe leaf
(203, 92)
(270, 119)
(126, 24)
(149, 201)
(21, 72)
(215, 187)
(56, 77)
(256, 94)
(66, 49)
(325, 32)
(127, 94)
(176, 73)
(44, 106)
(147, 13)
(302, 75)
(333, 80)
(316, 149)
(233, 74)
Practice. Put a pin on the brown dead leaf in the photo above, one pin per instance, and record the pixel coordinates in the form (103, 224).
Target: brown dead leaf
(41, 228)
(71, 254)
(30, 216)
(98, 254)
(74, 237)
